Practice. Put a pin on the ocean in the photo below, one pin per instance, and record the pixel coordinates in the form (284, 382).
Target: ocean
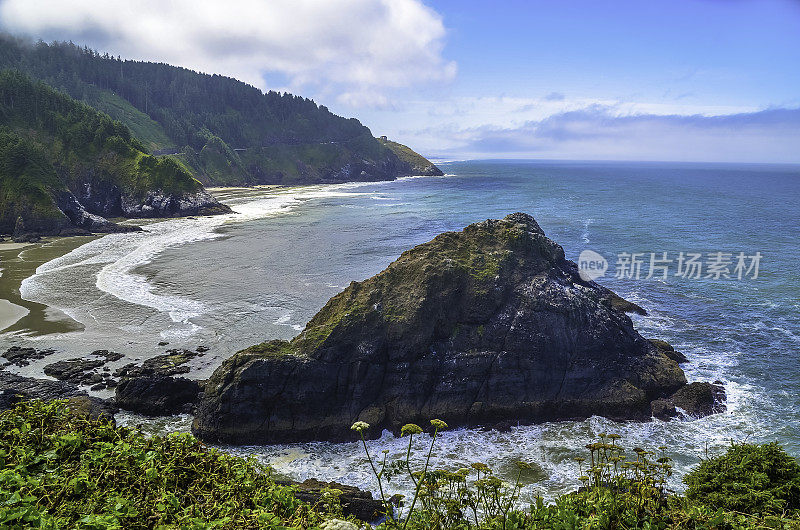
(231, 281)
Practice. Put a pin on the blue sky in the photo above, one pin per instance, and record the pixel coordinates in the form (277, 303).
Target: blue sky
(688, 80)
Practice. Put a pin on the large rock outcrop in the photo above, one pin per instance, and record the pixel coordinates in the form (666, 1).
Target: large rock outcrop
(107, 199)
(487, 326)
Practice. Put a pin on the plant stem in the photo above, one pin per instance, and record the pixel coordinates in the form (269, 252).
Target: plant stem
(377, 476)
(421, 478)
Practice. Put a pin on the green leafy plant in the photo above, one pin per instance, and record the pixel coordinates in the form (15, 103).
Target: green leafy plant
(61, 470)
(748, 478)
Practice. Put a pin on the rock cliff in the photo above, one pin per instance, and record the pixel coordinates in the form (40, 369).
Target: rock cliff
(415, 163)
(487, 326)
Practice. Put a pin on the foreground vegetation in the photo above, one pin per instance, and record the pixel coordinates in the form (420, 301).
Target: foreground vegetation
(750, 486)
(62, 470)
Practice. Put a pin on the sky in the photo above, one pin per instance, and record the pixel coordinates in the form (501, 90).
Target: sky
(679, 80)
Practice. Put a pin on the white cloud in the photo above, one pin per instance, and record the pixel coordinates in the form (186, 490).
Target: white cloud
(602, 133)
(354, 50)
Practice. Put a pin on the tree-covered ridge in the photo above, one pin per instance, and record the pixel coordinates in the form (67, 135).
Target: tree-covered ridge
(78, 137)
(184, 102)
(56, 149)
(229, 132)
(28, 184)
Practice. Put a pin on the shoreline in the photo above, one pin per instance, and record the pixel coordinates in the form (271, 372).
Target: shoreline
(19, 261)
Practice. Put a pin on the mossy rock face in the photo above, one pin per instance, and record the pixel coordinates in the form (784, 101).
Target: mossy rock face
(487, 326)
(417, 164)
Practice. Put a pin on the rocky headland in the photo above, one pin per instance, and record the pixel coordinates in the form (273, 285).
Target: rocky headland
(488, 326)
(415, 164)
(67, 167)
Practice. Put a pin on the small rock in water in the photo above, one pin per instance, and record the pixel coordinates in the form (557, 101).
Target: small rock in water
(694, 400)
(201, 349)
(77, 371)
(358, 503)
(109, 356)
(172, 363)
(163, 343)
(23, 356)
(667, 349)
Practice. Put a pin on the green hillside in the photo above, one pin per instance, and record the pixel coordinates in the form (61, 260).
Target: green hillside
(227, 131)
(28, 185)
(142, 126)
(418, 163)
(61, 160)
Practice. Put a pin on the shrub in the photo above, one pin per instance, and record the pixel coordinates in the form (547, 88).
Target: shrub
(60, 470)
(753, 479)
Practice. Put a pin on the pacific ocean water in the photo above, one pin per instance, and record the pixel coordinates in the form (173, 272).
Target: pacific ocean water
(233, 281)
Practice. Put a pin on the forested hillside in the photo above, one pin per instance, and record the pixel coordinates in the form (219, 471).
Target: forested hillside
(63, 165)
(227, 131)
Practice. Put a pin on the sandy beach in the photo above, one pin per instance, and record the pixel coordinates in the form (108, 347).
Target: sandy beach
(19, 261)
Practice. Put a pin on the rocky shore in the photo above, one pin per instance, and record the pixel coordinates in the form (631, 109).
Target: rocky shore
(86, 213)
(485, 327)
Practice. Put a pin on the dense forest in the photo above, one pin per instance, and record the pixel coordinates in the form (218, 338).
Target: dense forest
(227, 131)
(61, 160)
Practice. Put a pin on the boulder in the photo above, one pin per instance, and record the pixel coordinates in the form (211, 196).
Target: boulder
(78, 371)
(93, 408)
(356, 502)
(667, 349)
(15, 389)
(157, 395)
(487, 326)
(694, 400)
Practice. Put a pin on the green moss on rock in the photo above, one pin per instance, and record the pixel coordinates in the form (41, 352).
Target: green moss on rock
(417, 164)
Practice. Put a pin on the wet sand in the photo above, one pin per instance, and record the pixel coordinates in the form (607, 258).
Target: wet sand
(19, 261)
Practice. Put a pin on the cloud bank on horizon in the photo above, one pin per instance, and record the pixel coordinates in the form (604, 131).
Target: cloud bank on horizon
(597, 133)
(453, 82)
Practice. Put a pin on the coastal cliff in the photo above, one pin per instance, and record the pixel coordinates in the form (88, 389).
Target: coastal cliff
(417, 164)
(488, 326)
(64, 167)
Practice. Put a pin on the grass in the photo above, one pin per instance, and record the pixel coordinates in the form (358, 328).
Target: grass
(143, 127)
(274, 348)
